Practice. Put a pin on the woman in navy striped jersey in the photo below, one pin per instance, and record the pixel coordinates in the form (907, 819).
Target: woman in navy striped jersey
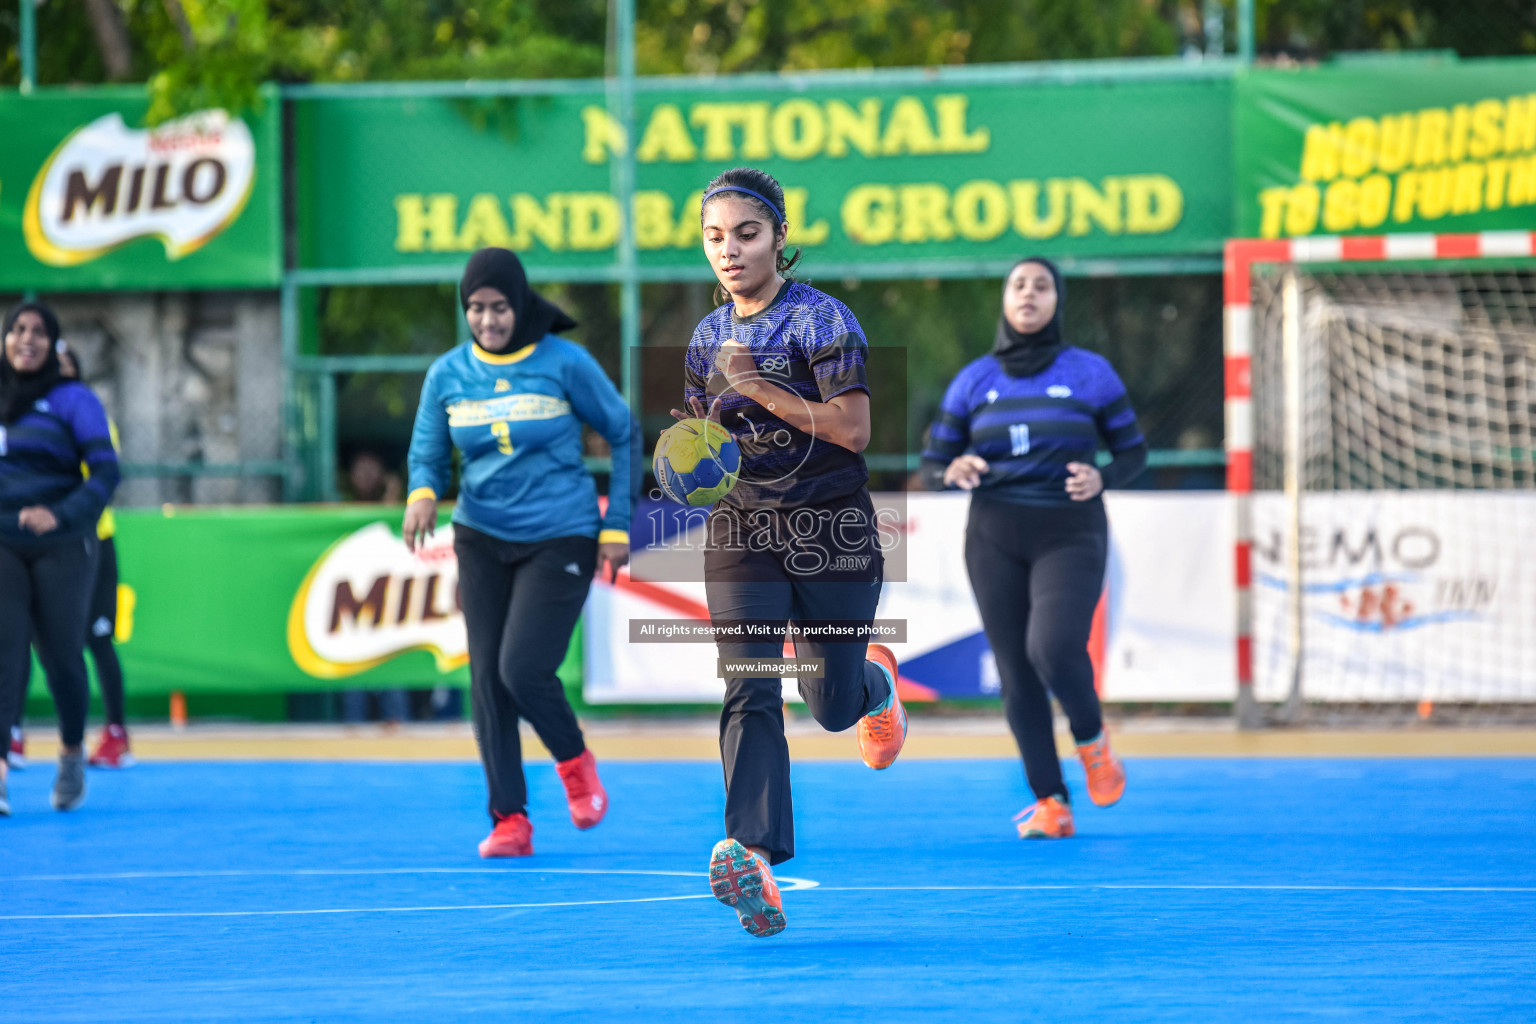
(49, 426)
(1019, 429)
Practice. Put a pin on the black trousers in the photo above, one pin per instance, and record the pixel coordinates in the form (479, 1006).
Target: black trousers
(1037, 572)
(810, 564)
(100, 636)
(45, 592)
(102, 617)
(521, 603)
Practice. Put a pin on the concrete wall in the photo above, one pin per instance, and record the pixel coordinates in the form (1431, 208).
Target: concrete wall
(189, 377)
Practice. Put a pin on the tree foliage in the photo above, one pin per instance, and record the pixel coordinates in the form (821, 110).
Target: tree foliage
(195, 53)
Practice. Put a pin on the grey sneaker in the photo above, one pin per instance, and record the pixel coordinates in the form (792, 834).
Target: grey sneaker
(5, 800)
(69, 785)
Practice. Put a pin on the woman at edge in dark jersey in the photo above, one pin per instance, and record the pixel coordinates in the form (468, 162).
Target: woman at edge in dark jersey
(48, 546)
(112, 750)
(1019, 429)
(782, 367)
(527, 532)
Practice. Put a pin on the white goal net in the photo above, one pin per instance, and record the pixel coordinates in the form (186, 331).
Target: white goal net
(1394, 476)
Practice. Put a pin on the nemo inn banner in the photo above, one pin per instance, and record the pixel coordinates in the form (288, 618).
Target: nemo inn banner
(92, 199)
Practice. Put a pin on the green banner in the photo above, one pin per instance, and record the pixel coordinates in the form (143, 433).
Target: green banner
(872, 175)
(89, 199)
(243, 600)
(1410, 146)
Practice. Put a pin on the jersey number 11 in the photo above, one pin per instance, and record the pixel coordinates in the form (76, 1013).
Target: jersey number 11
(1018, 433)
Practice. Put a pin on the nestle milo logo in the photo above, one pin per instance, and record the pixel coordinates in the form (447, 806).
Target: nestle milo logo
(107, 184)
(367, 599)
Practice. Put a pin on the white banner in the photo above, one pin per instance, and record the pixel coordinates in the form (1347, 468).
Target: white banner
(1167, 623)
(1407, 595)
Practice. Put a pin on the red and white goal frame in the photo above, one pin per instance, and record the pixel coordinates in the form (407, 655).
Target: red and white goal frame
(1240, 258)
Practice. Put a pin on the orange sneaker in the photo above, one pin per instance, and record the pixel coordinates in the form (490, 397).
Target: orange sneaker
(742, 881)
(1045, 819)
(512, 837)
(583, 791)
(1106, 772)
(882, 733)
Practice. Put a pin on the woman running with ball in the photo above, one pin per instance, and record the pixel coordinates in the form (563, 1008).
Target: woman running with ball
(1019, 429)
(527, 530)
(781, 365)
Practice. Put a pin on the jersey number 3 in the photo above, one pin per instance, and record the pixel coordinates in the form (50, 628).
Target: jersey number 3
(1018, 433)
(503, 437)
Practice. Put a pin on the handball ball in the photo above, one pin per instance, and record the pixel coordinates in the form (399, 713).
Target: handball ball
(696, 462)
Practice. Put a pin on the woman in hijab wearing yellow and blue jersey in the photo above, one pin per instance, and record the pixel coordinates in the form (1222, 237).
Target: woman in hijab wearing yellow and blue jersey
(527, 529)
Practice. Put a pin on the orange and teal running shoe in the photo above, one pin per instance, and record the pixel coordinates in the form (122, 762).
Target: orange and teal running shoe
(1045, 819)
(883, 731)
(742, 881)
(1106, 772)
(512, 837)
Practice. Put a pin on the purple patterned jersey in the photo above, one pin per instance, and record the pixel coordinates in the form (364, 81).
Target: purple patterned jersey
(806, 342)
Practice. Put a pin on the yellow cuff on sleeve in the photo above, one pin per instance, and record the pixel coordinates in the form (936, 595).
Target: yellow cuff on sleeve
(421, 492)
(613, 537)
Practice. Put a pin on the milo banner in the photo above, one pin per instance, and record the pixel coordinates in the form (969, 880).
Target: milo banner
(287, 599)
(91, 199)
(1387, 147)
(872, 174)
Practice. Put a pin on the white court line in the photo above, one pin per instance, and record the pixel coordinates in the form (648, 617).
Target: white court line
(324, 872)
(786, 884)
(1177, 888)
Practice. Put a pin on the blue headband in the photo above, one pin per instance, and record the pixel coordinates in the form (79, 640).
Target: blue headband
(737, 188)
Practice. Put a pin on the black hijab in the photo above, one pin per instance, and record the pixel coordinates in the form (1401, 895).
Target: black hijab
(1024, 355)
(502, 270)
(20, 391)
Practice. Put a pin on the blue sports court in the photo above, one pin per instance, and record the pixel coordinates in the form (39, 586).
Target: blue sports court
(1218, 890)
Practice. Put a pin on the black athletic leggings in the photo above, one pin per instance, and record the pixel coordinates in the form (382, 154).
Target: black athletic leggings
(810, 564)
(99, 639)
(1037, 572)
(521, 603)
(45, 592)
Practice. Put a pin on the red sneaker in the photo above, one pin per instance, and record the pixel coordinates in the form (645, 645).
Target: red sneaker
(16, 757)
(512, 837)
(112, 750)
(583, 790)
